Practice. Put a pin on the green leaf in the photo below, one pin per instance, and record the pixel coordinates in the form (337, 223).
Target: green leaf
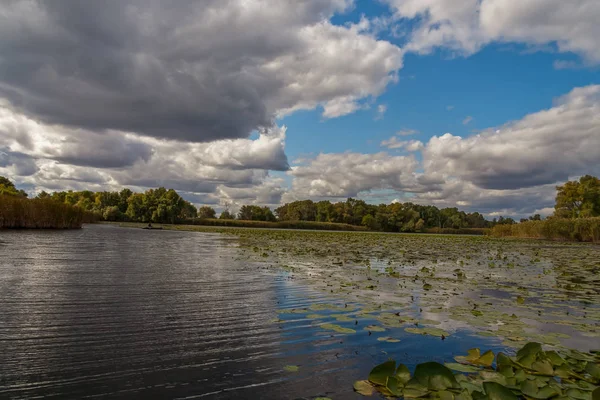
(502, 359)
(472, 355)
(393, 385)
(520, 300)
(291, 368)
(496, 391)
(445, 395)
(593, 369)
(402, 374)
(579, 394)
(414, 389)
(388, 339)
(596, 394)
(462, 367)
(530, 349)
(427, 331)
(364, 388)
(554, 358)
(337, 328)
(543, 367)
(374, 328)
(435, 376)
(486, 359)
(380, 373)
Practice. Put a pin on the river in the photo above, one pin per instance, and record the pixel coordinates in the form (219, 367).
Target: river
(112, 312)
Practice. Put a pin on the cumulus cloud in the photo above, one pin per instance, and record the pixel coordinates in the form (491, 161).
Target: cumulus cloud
(467, 25)
(196, 71)
(348, 174)
(408, 145)
(544, 147)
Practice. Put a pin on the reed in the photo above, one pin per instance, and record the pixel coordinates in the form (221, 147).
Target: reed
(576, 229)
(330, 226)
(23, 213)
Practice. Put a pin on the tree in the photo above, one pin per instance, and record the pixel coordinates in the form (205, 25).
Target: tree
(226, 215)
(578, 199)
(206, 212)
(8, 188)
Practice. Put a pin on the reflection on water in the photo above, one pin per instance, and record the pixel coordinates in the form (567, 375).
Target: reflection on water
(131, 313)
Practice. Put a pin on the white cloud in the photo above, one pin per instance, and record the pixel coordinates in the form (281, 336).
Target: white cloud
(467, 120)
(408, 145)
(544, 147)
(381, 109)
(465, 26)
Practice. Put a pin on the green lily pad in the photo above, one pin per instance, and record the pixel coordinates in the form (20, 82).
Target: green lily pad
(381, 372)
(337, 328)
(496, 391)
(427, 331)
(402, 373)
(374, 328)
(291, 368)
(388, 339)
(364, 388)
(593, 369)
(462, 367)
(435, 376)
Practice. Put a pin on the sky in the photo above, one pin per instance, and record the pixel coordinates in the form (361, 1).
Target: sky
(484, 105)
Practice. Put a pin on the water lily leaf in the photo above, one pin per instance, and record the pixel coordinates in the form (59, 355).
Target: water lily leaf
(502, 359)
(530, 388)
(291, 368)
(388, 339)
(486, 359)
(596, 394)
(374, 328)
(364, 388)
(493, 376)
(445, 395)
(393, 386)
(520, 300)
(507, 371)
(579, 394)
(543, 367)
(476, 313)
(496, 391)
(402, 373)
(554, 358)
(462, 367)
(593, 369)
(414, 389)
(380, 373)
(435, 376)
(427, 331)
(529, 349)
(337, 328)
(472, 355)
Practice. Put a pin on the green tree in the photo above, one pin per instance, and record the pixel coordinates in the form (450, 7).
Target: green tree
(206, 212)
(226, 215)
(8, 188)
(578, 199)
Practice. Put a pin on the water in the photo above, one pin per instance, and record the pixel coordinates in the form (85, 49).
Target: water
(129, 313)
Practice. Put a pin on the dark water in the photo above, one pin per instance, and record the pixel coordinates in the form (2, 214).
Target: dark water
(126, 313)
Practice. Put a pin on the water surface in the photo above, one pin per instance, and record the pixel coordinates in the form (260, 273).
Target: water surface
(128, 313)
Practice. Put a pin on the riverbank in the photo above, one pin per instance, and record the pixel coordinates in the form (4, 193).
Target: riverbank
(23, 213)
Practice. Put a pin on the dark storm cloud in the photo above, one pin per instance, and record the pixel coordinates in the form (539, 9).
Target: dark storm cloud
(189, 70)
(105, 65)
(22, 164)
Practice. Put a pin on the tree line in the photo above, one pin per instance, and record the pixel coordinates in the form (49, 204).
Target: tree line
(575, 199)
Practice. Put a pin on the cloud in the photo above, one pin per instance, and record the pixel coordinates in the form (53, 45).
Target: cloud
(193, 71)
(407, 132)
(467, 120)
(544, 147)
(466, 26)
(564, 64)
(338, 175)
(409, 145)
(381, 109)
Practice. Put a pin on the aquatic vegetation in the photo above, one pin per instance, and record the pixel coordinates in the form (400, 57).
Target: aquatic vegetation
(532, 374)
(20, 212)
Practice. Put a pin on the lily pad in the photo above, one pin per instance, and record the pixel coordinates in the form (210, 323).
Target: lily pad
(364, 388)
(337, 328)
(427, 331)
(435, 376)
(374, 328)
(462, 367)
(388, 339)
(496, 391)
(291, 368)
(380, 373)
